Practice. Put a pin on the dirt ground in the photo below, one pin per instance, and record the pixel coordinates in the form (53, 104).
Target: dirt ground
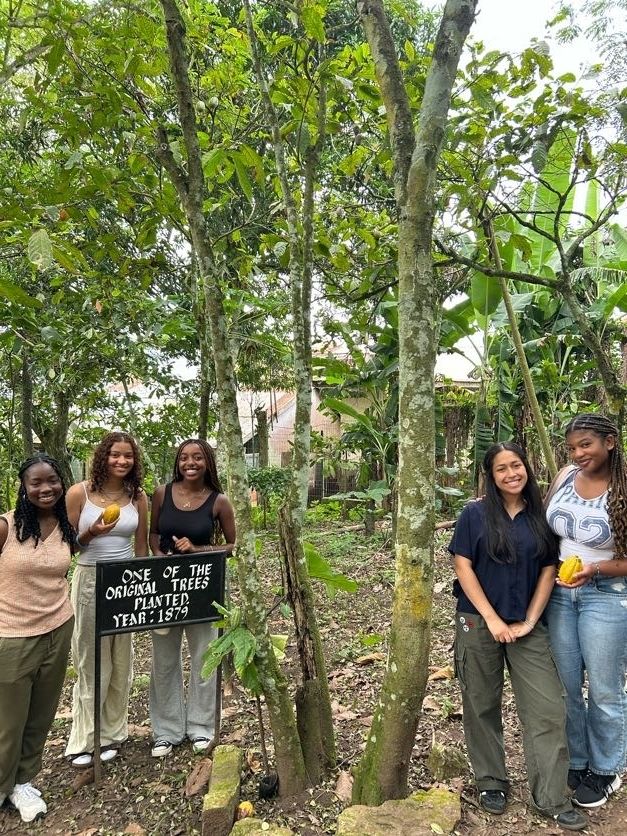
(143, 795)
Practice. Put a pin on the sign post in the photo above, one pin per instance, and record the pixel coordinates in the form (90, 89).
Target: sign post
(148, 592)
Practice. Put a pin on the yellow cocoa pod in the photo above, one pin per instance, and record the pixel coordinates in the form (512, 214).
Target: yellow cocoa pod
(111, 513)
(570, 567)
(244, 810)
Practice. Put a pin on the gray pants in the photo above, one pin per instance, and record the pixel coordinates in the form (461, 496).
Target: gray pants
(32, 671)
(480, 662)
(173, 718)
(116, 672)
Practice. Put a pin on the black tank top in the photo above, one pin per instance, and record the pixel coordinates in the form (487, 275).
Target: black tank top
(197, 524)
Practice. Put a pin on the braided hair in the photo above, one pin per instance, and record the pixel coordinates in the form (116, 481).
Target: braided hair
(211, 478)
(617, 487)
(99, 469)
(26, 517)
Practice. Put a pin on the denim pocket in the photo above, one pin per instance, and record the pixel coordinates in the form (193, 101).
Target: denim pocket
(611, 586)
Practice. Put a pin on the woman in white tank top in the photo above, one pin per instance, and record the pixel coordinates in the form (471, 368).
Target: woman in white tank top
(116, 478)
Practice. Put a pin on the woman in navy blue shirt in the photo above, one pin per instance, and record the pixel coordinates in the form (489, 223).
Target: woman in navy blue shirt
(505, 557)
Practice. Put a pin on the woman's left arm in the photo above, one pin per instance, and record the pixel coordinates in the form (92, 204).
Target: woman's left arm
(223, 513)
(226, 517)
(539, 600)
(141, 535)
(604, 568)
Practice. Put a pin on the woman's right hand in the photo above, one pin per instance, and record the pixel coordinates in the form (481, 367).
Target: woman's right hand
(99, 527)
(500, 631)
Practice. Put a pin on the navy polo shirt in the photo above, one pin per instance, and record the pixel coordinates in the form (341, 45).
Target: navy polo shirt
(509, 587)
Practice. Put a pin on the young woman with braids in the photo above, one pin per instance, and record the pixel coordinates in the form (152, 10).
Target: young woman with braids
(587, 618)
(187, 513)
(504, 558)
(36, 621)
(115, 478)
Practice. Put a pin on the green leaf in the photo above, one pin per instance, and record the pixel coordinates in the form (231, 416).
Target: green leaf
(320, 570)
(279, 643)
(242, 176)
(14, 293)
(39, 250)
(485, 294)
(312, 22)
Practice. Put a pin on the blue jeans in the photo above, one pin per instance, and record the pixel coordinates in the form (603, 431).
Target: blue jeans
(588, 632)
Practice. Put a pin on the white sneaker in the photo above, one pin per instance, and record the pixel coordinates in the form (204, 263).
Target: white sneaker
(108, 754)
(201, 744)
(161, 749)
(84, 759)
(28, 801)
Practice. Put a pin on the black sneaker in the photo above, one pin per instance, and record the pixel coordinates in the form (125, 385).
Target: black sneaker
(571, 820)
(493, 801)
(595, 789)
(575, 777)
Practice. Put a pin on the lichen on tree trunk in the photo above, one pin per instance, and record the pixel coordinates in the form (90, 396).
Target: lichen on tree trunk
(383, 769)
(191, 189)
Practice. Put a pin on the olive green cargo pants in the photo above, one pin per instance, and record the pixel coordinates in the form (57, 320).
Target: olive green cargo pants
(480, 663)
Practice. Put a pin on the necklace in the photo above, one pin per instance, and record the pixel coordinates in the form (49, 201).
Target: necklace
(105, 498)
(193, 495)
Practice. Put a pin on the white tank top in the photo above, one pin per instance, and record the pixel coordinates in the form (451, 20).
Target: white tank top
(582, 524)
(117, 543)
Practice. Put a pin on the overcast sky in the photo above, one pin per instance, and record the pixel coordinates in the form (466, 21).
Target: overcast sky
(510, 26)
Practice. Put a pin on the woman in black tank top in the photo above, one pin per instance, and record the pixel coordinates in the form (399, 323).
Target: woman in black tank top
(186, 515)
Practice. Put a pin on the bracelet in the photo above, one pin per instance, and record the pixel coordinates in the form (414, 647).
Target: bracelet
(78, 543)
(597, 571)
(530, 624)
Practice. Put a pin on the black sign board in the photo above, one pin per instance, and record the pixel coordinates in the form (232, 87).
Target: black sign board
(149, 592)
(144, 593)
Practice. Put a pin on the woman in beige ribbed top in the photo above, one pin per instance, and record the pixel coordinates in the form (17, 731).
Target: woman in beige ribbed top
(36, 621)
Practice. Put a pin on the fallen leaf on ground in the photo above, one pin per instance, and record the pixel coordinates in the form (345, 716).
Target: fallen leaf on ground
(231, 710)
(198, 778)
(235, 737)
(138, 731)
(370, 659)
(344, 786)
(441, 673)
(134, 828)
(253, 762)
(84, 777)
(430, 704)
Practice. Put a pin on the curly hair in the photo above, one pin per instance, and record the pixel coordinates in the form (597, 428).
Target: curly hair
(603, 427)
(99, 467)
(26, 516)
(211, 478)
(500, 545)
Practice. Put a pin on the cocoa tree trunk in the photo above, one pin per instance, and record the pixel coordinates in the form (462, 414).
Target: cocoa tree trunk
(191, 189)
(383, 769)
(314, 702)
(27, 406)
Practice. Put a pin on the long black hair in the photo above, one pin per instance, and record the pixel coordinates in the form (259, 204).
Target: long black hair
(26, 517)
(500, 545)
(617, 487)
(211, 478)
